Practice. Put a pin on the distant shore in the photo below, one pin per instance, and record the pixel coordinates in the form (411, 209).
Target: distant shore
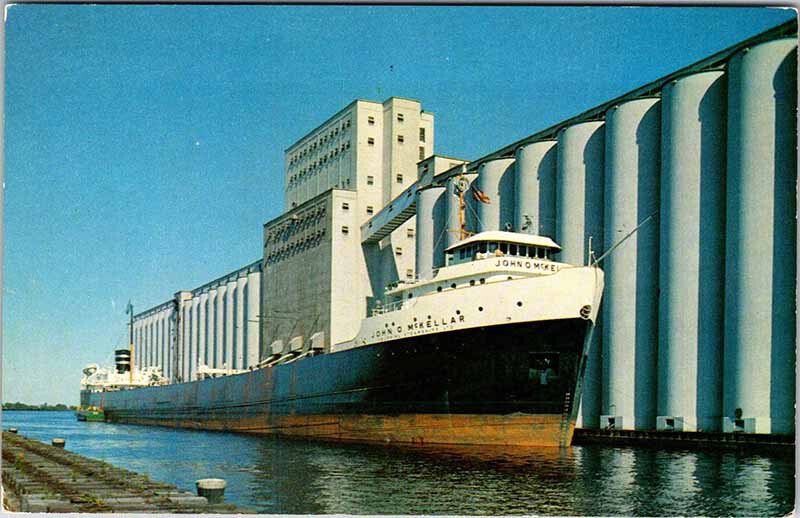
(43, 407)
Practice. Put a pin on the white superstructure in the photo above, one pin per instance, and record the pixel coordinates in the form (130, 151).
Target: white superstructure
(492, 278)
(96, 378)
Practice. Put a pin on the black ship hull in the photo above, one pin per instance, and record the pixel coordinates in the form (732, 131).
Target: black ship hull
(514, 384)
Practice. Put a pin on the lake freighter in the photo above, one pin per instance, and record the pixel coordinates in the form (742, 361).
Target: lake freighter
(488, 351)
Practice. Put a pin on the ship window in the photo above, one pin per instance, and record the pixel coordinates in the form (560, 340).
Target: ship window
(345, 229)
(482, 248)
(531, 251)
(492, 247)
(370, 120)
(410, 273)
(370, 180)
(345, 206)
(410, 232)
(512, 249)
(422, 134)
(461, 253)
(410, 295)
(370, 209)
(504, 247)
(400, 117)
(398, 251)
(399, 178)
(400, 139)
(371, 141)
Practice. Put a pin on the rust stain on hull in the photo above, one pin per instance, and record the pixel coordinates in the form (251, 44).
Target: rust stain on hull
(414, 429)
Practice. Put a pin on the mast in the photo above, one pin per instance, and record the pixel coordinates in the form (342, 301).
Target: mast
(462, 184)
(462, 231)
(129, 310)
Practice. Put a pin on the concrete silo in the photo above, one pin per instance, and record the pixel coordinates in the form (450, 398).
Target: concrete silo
(137, 348)
(579, 216)
(149, 346)
(194, 331)
(761, 246)
(211, 329)
(170, 343)
(145, 339)
(431, 230)
(202, 326)
(239, 322)
(219, 323)
(630, 303)
(535, 188)
(496, 181)
(692, 252)
(252, 316)
(157, 321)
(230, 332)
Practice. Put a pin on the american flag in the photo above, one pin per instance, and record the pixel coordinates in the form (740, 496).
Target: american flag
(479, 195)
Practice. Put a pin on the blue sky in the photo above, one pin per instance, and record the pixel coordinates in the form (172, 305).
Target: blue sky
(144, 144)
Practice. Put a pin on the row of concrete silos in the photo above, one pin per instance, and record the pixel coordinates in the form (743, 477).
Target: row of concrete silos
(152, 332)
(216, 325)
(697, 328)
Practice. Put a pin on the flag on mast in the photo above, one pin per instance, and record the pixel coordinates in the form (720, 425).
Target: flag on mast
(478, 194)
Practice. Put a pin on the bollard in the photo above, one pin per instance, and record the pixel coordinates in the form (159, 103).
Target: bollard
(58, 442)
(12, 430)
(211, 488)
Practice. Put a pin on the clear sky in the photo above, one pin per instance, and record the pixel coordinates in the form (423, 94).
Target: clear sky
(144, 144)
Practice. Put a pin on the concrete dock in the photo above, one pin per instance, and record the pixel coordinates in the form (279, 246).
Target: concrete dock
(38, 477)
(687, 440)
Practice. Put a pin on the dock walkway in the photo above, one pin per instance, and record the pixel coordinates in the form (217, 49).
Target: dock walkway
(687, 440)
(41, 478)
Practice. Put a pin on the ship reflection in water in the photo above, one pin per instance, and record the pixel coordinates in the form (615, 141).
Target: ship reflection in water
(294, 476)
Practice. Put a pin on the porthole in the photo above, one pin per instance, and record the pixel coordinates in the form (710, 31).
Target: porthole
(409, 296)
(438, 288)
(453, 285)
(480, 308)
(458, 312)
(483, 281)
(472, 282)
(510, 277)
(519, 303)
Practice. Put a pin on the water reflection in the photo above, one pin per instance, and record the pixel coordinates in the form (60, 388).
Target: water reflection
(291, 476)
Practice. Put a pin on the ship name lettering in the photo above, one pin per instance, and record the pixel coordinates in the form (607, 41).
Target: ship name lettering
(528, 265)
(427, 324)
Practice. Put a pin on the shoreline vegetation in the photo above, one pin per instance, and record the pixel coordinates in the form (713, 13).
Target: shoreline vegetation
(43, 407)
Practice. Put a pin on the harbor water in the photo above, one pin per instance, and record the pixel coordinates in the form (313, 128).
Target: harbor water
(282, 476)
